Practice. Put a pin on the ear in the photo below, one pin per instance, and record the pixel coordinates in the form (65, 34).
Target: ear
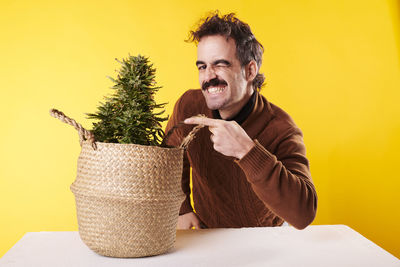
(251, 71)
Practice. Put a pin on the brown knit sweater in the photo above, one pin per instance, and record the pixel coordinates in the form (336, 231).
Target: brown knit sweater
(269, 185)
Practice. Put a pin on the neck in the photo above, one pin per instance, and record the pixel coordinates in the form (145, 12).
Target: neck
(234, 110)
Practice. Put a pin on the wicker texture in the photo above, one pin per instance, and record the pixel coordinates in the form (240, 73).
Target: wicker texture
(127, 196)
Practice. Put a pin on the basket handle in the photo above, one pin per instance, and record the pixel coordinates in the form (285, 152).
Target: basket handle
(83, 133)
(189, 137)
(88, 135)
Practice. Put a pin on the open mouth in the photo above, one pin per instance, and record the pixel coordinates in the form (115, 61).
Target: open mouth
(215, 90)
(214, 86)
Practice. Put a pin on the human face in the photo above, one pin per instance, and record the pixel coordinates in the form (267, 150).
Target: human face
(221, 76)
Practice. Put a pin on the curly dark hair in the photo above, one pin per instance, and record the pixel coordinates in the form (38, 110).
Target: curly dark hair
(247, 46)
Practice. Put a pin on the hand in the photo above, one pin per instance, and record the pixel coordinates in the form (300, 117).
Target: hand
(227, 136)
(188, 220)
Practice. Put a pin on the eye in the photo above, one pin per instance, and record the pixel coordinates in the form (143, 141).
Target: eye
(201, 67)
(222, 64)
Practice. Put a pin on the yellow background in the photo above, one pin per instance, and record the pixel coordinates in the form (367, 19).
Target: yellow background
(333, 65)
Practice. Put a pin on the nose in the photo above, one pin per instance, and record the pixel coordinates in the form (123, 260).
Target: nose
(210, 73)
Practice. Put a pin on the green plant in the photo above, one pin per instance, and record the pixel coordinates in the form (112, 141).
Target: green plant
(129, 115)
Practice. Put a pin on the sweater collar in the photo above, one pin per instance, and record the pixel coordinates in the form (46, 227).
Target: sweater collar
(243, 113)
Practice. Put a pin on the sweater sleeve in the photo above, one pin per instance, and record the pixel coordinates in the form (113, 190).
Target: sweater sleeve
(283, 181)
(175, 140)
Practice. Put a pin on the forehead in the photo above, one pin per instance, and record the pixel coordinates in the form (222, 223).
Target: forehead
(214, 47)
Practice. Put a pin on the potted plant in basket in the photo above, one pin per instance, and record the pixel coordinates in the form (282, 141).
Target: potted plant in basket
(128, 188)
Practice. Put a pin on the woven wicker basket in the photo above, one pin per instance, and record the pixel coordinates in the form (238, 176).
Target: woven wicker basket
(127, 196)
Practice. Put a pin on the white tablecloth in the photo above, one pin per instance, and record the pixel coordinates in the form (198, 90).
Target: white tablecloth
(318, 245)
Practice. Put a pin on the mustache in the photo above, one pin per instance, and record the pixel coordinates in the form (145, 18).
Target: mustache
(213, 82)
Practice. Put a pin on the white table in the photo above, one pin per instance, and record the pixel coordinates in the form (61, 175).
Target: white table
(318, 245)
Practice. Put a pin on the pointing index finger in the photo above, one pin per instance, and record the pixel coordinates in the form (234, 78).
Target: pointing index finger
(201, 120)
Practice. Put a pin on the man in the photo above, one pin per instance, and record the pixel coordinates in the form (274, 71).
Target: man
(249, 166)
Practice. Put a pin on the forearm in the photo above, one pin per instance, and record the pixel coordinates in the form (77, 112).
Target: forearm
(286, 190)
